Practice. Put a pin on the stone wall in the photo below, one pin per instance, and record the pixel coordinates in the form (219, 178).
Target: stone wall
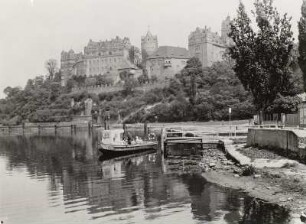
(164, 68)
(110, 89)
(285, 141)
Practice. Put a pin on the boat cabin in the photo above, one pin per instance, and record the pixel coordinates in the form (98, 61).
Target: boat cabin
(113, 137)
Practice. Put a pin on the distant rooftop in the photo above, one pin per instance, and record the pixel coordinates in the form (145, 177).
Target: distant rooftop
(170, 52)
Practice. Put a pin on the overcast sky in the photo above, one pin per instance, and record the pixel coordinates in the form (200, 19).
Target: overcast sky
(33, 31)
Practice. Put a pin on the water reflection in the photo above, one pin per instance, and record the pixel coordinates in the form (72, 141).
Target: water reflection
(72, 185)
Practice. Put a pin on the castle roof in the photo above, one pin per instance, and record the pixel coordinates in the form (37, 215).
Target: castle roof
(149, 35)
(127, 65)
(170, 52)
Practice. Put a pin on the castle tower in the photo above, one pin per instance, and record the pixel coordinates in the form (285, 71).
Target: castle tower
(149, 45)
(225, 28)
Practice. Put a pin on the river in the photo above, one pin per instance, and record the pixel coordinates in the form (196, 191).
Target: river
(60, 179)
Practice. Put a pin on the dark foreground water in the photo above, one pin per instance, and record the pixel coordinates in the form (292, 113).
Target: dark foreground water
(48, 179)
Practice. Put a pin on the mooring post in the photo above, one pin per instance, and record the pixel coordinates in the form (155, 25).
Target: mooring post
(162, 143)
(9, 129)
(89, 127)
(55, 129)
(106, 125)
(23, 125)
(38, 129)
(145, 126)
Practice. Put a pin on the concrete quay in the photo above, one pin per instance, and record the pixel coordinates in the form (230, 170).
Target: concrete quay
(288, 142)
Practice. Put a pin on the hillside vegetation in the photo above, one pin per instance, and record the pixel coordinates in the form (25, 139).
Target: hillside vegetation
(195, 94)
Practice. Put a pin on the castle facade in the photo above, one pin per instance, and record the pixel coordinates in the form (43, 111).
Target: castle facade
(209, 46)
(111, 57)
(166, 61)
(99, 58)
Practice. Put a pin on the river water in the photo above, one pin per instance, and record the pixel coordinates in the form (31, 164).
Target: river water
(60, 179)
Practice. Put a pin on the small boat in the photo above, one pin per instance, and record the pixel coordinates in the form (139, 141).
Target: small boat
(112, 143)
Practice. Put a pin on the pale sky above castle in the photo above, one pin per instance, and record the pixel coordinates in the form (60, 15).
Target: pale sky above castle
(33, 31)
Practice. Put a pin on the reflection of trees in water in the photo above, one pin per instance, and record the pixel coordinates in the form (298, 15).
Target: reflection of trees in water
(257, 211)
(117, 184)
(46, 156)
(206, 199)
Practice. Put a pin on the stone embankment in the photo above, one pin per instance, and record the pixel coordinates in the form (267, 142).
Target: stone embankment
(263, 174)
(259, 172)
(289, 142)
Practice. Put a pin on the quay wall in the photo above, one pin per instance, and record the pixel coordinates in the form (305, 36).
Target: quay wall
(291, 143)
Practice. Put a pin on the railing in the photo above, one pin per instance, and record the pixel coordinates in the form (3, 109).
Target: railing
(39, 128)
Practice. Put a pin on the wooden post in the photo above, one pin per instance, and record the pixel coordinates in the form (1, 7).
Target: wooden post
(71, 129)
(162, 141)
(146, 130)
(106, 127)
(23, 125)
(38, 129)
(55, 129)
(9, 129)
(89, 128)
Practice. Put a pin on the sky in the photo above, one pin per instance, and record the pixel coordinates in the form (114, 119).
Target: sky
(33, 31)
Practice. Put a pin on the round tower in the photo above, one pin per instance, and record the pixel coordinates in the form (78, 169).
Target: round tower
(149, 44)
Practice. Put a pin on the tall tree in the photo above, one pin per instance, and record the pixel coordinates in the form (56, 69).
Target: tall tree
(51, 66)
(262, 56)
(135, 56)
(302, 43)
(189, 77)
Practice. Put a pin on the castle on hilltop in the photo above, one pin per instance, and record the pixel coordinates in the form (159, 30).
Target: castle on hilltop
(99, 58)
(111, 57)
(209, 46)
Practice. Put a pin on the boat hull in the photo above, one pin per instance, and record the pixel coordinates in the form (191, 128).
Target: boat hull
(120, 150)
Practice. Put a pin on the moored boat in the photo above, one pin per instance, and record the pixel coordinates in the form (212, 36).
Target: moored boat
(113, 142)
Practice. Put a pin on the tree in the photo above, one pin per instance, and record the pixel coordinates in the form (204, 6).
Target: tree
(302, 43)
(11, 91)
(144, 78)
(129, 82)
(135, 56)
(144, 57)
(189, 77)
(262, 57)
(58, 77)
(51, 66)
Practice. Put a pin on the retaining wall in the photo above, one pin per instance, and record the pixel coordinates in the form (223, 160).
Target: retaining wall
(286, 142)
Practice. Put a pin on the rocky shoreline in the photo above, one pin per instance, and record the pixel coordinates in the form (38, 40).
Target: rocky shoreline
(283, 186)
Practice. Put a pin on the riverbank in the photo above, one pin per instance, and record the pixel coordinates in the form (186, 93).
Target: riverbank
(284, 186)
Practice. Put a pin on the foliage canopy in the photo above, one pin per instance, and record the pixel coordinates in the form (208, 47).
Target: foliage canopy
(262, 56)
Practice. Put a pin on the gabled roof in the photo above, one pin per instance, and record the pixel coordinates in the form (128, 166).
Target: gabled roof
(170, 52)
